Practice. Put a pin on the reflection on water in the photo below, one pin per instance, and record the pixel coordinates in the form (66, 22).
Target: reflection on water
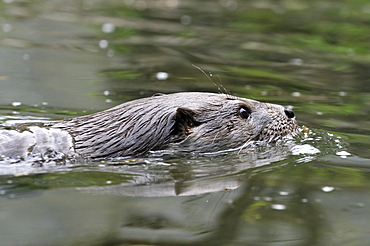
(61, 59)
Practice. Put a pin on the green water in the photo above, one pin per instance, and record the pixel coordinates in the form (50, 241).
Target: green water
(61, 59)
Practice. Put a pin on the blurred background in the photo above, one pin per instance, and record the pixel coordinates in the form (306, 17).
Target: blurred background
(65, 58)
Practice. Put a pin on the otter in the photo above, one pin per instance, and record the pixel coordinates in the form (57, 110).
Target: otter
(187, 122)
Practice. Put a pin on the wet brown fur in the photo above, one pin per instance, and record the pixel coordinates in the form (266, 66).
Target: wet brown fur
(181, 122)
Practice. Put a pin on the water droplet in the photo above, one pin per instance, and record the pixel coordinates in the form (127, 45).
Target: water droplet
(342, 94)
(44, 103)
(15, 104)
(108, 182)
(327, 189)
(278, 206)
(162, 75)
(296, 94)
(343, 154)
(103, 44)
(283, 193)
(108, 100)
(106, 93)
(304, 149)
(108, 27)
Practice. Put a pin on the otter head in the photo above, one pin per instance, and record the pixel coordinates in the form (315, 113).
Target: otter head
(181, 122)
(219, 122)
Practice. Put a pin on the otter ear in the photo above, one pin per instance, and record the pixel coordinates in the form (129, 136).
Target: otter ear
(184, 120)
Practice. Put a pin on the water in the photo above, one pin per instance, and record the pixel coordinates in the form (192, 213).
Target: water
(62, 59)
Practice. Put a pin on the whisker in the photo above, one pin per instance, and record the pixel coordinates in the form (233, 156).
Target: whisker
(220, 88)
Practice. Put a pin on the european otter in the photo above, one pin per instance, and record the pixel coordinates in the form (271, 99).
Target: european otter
(180, 122)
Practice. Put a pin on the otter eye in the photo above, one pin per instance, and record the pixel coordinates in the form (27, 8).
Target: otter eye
(244, 112)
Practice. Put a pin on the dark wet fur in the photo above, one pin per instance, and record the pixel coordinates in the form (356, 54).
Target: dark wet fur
(182, 122)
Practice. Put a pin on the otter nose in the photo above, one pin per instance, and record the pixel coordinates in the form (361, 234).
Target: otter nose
(289, 113)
